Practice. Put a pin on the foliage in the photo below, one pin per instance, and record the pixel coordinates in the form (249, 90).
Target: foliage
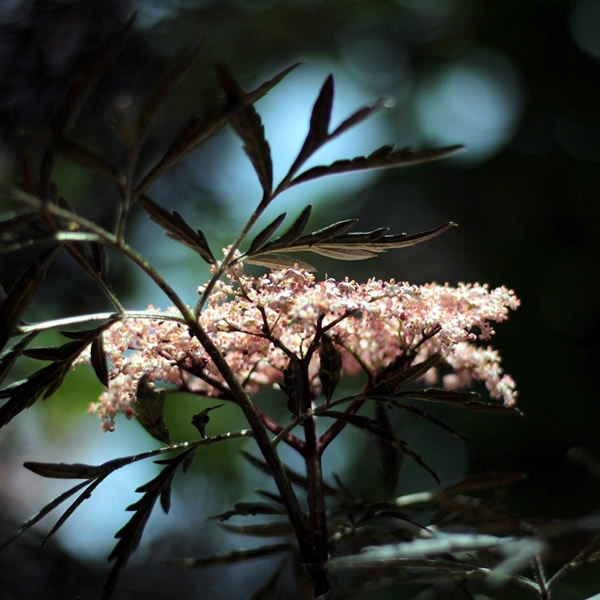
(450, 535)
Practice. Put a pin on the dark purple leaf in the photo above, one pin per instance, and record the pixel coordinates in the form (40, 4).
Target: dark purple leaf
(263, 236)
(373, 427)
(246, 122)
(99, 360)
(150, 409)
(382, 158)
(178, 229)
(19, 297)
(330, 367)
(249, 508)
(198, 130)
(235, 556)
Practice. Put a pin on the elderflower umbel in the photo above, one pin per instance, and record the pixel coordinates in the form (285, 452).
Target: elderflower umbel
(252, 319)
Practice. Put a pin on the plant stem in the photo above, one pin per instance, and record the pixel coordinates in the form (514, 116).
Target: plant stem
(317, 515)
(238, 392)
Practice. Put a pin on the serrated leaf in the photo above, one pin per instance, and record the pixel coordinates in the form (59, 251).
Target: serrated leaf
(371, 426)
(249, 508)
(130, 535)
(43, 383)
(246, 122)
(25, 393)
(73, 507)
(66, 470)
(391, 461)
(321, 113)
(8, 358)
(274, 529)
(483, 481)
(382, 158)
(292, 475)
(178, 229)
(318, 133)
(55, 353)
(386, 241)
(319, 125)
(294, 230)
(391, 384)
(263, 236)
(150, 409)
(464, 399)
(21, 294)
(331, 231)
(414, 552)
(393, 401)
(344, 246)
(314, 238)
(165, 499)
(342, 253)
(279, 261)
(231, 557)
(43, 512)
(86, 336)
(358, 116)
(330, 366)
(201, 419)
(198, 130)
(99, 360)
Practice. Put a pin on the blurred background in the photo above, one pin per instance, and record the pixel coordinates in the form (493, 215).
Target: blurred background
(518, 83)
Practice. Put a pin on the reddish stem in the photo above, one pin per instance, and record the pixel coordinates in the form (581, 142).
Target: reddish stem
(338, 426)
(274, 427)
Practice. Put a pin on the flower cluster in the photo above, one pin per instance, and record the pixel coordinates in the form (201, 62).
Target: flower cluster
(258, 322)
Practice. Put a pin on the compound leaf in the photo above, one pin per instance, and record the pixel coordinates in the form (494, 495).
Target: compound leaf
(43, 383)
(198, 130)
(130, 535)
(334, 242)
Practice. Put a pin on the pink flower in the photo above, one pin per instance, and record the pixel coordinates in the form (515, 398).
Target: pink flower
(257, 322)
